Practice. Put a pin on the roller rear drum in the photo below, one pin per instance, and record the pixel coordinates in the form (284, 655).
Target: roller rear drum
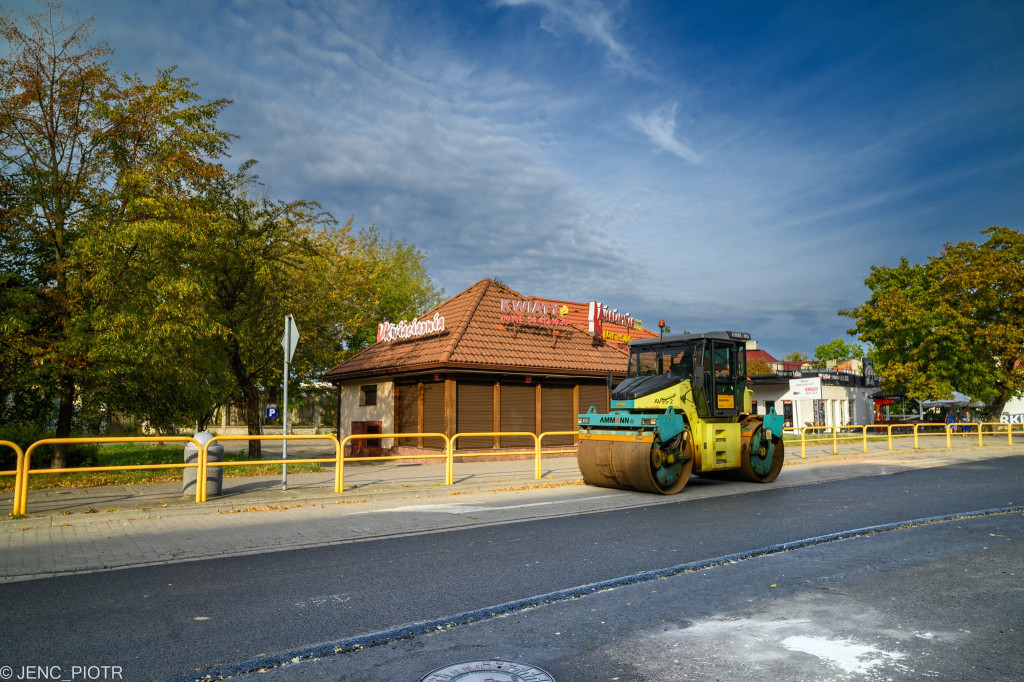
(636, 464)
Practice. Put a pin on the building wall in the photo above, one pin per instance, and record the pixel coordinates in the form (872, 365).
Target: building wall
(1013, 411)
(843, 405)
(352, 409)
(473, 403)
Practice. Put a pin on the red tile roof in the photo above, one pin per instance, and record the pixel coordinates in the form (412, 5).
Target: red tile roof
(478, 334)
(760, 355)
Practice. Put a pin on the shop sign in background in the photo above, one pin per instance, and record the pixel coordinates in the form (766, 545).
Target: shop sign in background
(805, 389)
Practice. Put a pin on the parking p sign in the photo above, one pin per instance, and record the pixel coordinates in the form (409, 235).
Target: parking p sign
(272, 411)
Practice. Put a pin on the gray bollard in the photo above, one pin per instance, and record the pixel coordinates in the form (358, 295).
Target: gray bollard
(214, 475)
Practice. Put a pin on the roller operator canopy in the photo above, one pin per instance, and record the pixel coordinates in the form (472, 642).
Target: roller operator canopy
(736, 337)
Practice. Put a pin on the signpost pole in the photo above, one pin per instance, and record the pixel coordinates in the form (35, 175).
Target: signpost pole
(288, 342)
(284, 415)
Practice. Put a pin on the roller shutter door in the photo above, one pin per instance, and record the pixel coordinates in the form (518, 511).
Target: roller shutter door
(593, 395)
(433, 413)
(556, 413)
(474, 413)
(517, 414)
(407, 420)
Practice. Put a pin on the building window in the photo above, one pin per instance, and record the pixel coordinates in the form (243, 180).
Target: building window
(368, 395)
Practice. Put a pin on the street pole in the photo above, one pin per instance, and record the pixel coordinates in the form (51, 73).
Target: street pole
(284, 413)
(288, 342)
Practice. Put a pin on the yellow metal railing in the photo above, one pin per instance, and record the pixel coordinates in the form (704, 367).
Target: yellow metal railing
(339, 474)
(19, 457)
(535, 451)
(814, 441)
(26, 470)
(204, 462)
(915, 431)
(965, 429)
(23, 470)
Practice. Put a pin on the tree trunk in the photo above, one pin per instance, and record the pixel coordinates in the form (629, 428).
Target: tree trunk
(251, 413)
(204, 420)
(995, 410)
(250, 400)
(65, 414)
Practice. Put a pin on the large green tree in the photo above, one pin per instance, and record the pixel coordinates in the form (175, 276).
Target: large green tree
(838, 350)
(953, 323)
(392, 284)
(136, 274)
(253, 268)
(87, 157)
(228, 279)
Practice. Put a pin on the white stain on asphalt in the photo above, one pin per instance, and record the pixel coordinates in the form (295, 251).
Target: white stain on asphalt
(850, 657)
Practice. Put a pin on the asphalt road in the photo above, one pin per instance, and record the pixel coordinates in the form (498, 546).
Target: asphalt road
(167, 621)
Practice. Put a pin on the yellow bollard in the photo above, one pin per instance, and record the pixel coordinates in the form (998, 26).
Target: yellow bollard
(21, 503)
(339, 467)
(201, 474)
(450, 463)
(19, 475)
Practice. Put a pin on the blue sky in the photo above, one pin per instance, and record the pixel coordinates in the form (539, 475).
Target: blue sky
(721, 165)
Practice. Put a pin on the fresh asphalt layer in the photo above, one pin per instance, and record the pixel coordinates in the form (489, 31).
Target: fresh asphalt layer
(167, 620)
(938, 600)
(82, 530)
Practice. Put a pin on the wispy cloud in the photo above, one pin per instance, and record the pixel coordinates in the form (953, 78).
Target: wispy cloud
(660, 127)
(500, 151)
(590, 19)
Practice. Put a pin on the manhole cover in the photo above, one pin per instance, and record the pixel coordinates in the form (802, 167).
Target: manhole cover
(488, 671)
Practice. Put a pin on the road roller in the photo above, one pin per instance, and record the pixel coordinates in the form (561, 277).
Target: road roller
(684, 408)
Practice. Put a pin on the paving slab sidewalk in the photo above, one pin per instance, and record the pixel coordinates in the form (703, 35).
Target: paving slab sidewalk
(100, 528)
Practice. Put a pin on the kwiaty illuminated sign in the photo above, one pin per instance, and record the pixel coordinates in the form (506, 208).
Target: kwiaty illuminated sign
(533, 312)
(541, 308)
(386, 331)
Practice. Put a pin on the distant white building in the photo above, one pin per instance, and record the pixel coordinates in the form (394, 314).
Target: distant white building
(846, 391)
(845, 399)
(1013, 411)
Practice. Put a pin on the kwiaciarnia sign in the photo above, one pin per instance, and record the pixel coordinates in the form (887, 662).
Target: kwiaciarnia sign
(387, 331)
